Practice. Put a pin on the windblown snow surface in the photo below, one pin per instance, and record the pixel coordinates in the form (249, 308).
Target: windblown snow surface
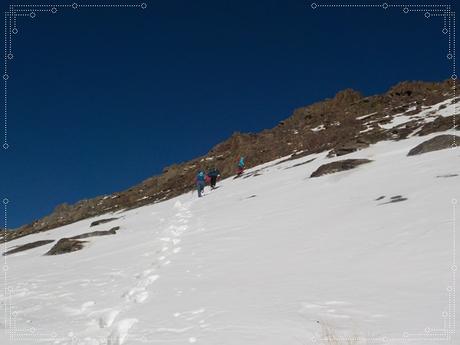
(272, 258)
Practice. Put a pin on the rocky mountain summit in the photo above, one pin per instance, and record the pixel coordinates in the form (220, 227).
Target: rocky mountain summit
(341, 125)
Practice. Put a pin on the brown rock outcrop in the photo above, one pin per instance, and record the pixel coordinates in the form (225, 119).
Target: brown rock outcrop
(342, 124)
(337, 166)
(440, 142)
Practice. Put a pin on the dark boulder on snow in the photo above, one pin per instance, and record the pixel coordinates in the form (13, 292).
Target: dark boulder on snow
(347, 148)
(440, 142)
(72, 244)
(65, 245)
(397, 198)
(393, 199)
(447, 175)
(337, 166)
(440, 124)
(300, 164)
(102, 221)
(112, 231)
(27, 246)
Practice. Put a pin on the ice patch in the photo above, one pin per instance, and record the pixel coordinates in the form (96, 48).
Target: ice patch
(318, 128)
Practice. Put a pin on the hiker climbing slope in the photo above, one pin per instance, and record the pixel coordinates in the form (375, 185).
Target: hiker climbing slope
(200, 182)
(213, 174)
(240, 168)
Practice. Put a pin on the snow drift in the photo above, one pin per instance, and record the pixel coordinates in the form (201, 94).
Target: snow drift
(360, 256)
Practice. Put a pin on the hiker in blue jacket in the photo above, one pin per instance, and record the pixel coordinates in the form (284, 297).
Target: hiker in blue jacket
(200, 182)
(240, 169)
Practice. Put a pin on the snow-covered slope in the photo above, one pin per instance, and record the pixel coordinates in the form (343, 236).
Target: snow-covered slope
(275, 258)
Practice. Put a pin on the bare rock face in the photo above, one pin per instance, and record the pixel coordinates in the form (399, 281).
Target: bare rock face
(337, 166)
(438, 125)
(348, 96)
(65, 245)
(27, 247)
(414, 90)
(347, 122)
(440, 142)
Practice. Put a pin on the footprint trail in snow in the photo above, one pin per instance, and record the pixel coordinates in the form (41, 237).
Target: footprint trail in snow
(169, 240)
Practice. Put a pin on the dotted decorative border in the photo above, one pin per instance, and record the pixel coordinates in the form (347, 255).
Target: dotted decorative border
(5, 202)
(449, 314)
(433, 10)
(11, 30)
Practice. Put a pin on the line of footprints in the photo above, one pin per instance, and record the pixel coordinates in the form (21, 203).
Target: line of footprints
(107, 319)
(139, 293)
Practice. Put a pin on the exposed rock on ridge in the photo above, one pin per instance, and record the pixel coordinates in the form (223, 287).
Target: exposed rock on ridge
(344, 124)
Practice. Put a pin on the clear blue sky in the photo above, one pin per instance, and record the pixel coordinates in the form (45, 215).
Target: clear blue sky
(101, 99)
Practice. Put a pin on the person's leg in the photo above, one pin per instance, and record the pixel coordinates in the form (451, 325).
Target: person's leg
(198, 187)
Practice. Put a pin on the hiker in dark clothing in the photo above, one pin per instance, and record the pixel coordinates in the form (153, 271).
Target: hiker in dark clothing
(213, 176)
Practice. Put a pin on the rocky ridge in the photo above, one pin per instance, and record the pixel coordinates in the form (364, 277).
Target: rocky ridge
(346, 123)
